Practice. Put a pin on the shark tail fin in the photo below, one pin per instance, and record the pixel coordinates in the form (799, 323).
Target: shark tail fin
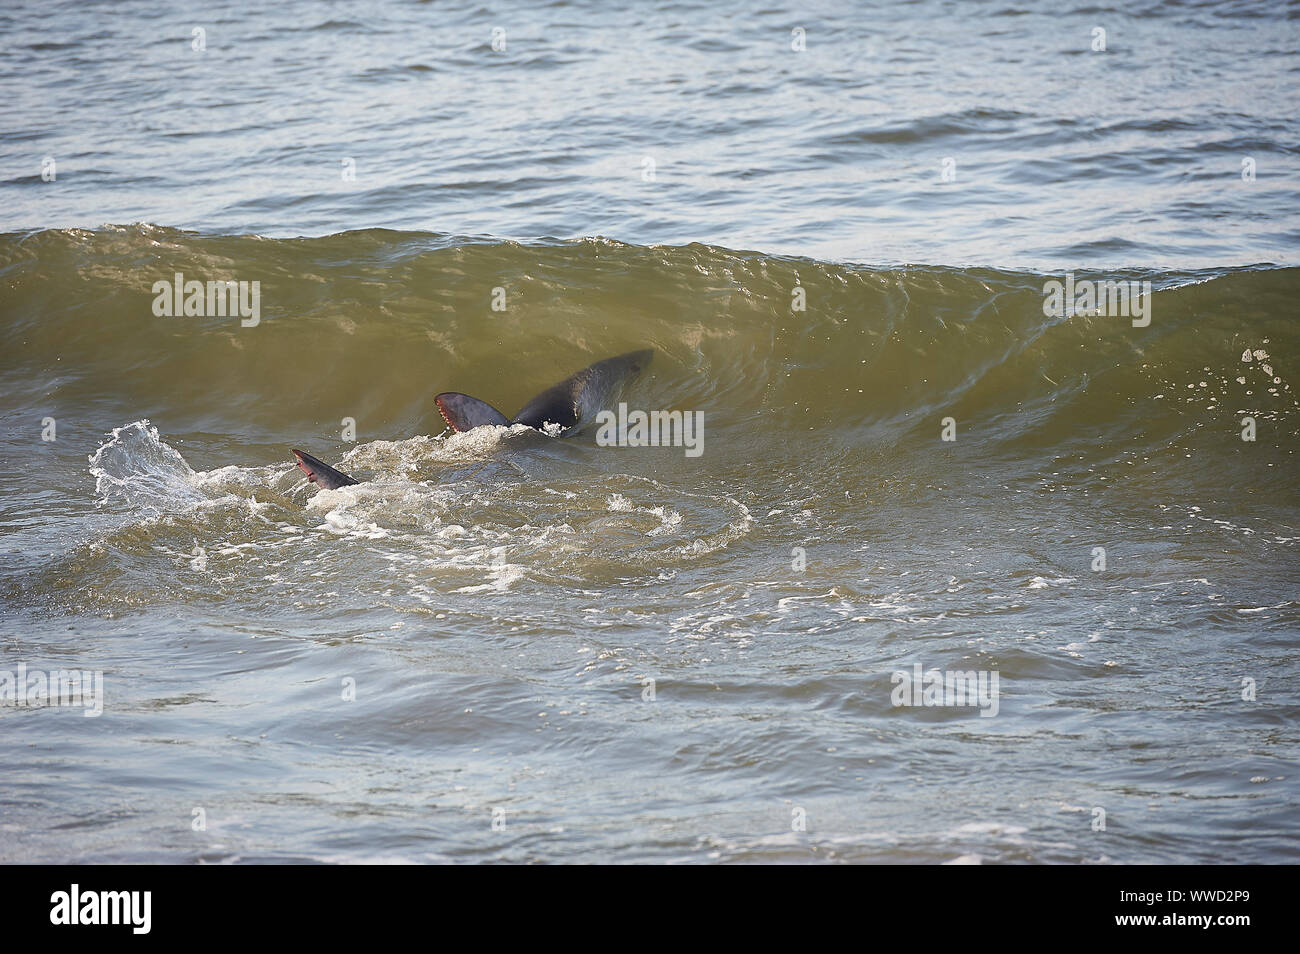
(323, 475)
(463, 412)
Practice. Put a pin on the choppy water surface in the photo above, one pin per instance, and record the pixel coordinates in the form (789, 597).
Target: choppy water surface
(1061, 155)
(501, 604)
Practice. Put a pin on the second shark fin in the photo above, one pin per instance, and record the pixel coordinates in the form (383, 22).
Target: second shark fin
(323, 475)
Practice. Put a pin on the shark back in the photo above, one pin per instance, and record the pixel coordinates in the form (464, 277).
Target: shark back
(576, 399)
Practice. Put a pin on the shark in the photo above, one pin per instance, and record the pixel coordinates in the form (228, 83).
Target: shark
(560, 410)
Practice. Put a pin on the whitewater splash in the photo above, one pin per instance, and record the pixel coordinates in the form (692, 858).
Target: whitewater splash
(135, 468)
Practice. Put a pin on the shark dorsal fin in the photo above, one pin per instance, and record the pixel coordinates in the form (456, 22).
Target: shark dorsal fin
(463, 412)
(566, 405)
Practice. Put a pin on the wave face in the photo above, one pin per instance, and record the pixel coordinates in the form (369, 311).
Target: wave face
(501, 592)
(371, 325)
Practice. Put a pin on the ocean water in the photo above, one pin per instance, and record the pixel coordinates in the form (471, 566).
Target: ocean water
(507, 647)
